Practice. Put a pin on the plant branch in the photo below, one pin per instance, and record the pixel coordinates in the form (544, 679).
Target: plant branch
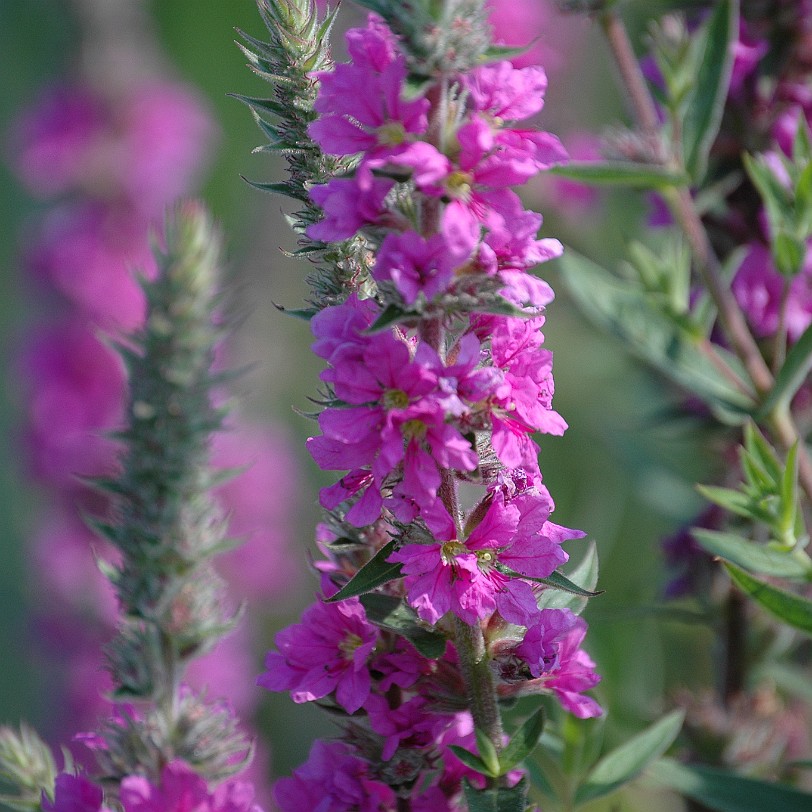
(684, 210)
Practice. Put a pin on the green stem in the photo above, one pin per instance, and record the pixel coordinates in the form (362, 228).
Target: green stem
(479, 680)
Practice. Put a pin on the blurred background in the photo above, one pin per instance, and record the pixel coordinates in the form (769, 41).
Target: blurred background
(108, 108)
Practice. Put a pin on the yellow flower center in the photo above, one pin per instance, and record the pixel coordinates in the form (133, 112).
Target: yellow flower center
(391, 134)
(395, 399)
(458, 184)
(349, 644)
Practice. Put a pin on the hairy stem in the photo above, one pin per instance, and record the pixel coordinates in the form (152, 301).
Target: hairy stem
(479, 680)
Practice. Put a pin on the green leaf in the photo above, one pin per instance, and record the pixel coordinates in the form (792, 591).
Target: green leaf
(495, 53)
(374, 573)
(523, 742)
(556, 581)
(585, 575)
(792, 609)
(618, 173)
(392, 314)
(496, 800)
(630, 759)
(392, 614)
(790, 377)
(734, 501)
(650, 334)
(725, 792)
(469, 759)
(303, 314)
(707, 101)
(487, 752)
(789, 252)
(749, 555)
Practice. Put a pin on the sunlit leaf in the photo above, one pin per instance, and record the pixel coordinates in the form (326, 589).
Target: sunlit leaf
(792, 609)
(750, 555)
(707, 101)
(523, 742)
(791, 376)
(652, 335)
(630, 759)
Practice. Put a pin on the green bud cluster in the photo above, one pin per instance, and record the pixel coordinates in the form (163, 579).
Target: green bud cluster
(299, 46)
(439, 37)
(164, 522)
(27, 765)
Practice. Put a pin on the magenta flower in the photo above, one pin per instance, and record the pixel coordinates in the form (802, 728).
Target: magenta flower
(527, 405)
(183, 790)
(574, 675)
(467, 577)
(759, 289)
(348, 204)
(326, 653)
(360, 103)
(332, 780)
(53, 141)
(75, 388)
(74, 793)
(89, 252)
(540, 647)
(506, 92)
(411, 723)
(418, 266)
(398, 417)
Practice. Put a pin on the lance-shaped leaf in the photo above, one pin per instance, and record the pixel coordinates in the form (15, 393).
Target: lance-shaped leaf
(752, 556)
(706, 106)
(630, 759)
(790, 377)
(652, 335)
(555, 581)
(376, 572)
(585, 575)
(522, 743)
(792, 609)
(619, 173)
(726, 792)
(392, 614)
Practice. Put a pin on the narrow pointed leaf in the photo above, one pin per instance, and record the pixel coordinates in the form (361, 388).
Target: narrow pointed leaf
(487, 752)
(725, 792)
(704, 114)
(618, 173)
(469, 759)
(523, 742)
(750, 555)
(630, 759)
(561, 582)
(391, 315)
(374, 573)
(652, 335)
(792, 609)
(791, 376)
(585, 575)
(734, 501)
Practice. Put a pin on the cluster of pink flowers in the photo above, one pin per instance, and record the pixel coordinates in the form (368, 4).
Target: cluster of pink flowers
(180, 789)
(448, 398)
(112, 165)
